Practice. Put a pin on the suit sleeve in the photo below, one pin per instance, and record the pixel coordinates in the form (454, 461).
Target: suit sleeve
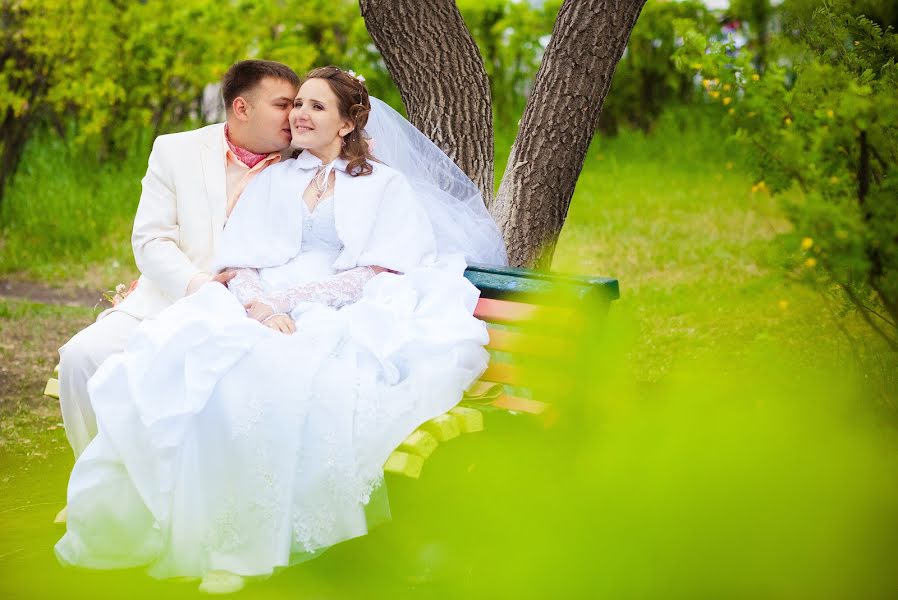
(155, 238)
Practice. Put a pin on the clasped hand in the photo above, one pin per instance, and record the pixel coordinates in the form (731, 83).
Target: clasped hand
(264, 314)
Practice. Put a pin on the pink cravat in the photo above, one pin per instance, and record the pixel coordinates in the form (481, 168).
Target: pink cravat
(250, 159)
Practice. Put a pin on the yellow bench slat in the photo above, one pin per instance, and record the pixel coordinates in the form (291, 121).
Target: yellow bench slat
(469, 420)
(52, 388)
(443, 428)
(420, 443)
(403, 463)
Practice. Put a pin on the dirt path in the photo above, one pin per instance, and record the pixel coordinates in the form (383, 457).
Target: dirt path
(35, 320)
(44, 294)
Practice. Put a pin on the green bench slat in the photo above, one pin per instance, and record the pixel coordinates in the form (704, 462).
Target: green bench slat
(539, 287)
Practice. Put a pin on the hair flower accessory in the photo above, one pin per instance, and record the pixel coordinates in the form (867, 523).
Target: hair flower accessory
(354, 75)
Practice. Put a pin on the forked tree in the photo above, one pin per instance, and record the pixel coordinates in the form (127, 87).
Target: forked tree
(438, 69)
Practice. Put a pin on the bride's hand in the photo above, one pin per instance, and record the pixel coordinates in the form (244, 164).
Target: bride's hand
(280, 322)
(258, 310)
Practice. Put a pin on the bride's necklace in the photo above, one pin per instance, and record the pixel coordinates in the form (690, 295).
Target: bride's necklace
(320, 182)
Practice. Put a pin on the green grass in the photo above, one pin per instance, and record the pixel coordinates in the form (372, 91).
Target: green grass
(68, 215)
(724, 439)
(673, 217)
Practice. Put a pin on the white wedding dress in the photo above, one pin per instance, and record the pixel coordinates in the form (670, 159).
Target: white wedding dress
(225, 445)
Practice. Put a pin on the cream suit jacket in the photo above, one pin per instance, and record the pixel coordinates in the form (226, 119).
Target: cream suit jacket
(179, 219)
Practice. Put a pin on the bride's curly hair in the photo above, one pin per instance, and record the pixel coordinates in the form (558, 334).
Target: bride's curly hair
(354, 104)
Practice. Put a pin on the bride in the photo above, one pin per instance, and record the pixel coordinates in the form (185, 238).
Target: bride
(245, 428)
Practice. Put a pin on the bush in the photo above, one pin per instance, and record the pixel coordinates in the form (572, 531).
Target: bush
(822, 123)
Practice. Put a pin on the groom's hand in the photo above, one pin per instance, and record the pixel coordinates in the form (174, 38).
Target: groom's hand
(224, 277)
(202, 279)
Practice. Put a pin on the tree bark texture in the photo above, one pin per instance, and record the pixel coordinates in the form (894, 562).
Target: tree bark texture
(437, 67)
(557, 127)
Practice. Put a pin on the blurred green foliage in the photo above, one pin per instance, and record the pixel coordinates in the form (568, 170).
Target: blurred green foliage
(646, 80)
(512, 37)
(821, 124)
(104, 75)
(119, 73)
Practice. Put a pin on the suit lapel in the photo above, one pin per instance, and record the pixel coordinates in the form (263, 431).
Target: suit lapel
(213, 160)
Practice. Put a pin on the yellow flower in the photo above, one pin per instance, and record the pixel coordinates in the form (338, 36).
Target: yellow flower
(726, 87)
(731, 111)
(787, 121)
(759, 187)
(714, 93)
(783, 304)
(834, 180)
(810, 262)
(727, 100)
(806, 243)
(696, 66)
(830, 113)
(755, 77)
(706, 83)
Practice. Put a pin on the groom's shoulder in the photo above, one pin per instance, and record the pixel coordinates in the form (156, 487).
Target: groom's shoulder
(187, 140)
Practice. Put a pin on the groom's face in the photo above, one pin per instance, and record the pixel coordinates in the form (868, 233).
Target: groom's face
(268, 114)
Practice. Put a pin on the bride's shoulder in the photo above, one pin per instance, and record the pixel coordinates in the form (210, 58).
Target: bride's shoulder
(383, 173)
(282, 166)
(280, 172)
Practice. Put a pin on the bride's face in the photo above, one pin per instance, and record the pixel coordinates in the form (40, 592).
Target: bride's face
(315, 120)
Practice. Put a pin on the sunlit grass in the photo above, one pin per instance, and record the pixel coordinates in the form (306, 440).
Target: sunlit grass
(674, 218)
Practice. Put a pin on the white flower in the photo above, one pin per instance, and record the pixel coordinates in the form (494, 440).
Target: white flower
(355, 76)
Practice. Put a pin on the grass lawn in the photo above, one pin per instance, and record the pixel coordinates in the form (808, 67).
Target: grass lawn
(727, 440)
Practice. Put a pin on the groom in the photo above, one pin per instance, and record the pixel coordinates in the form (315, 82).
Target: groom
(193, 181)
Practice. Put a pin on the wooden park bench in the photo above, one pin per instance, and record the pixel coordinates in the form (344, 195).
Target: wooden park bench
(510, 300)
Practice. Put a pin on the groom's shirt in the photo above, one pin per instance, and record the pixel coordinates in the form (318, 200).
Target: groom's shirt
(241, 166)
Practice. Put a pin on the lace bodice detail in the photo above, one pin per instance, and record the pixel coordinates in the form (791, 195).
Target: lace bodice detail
(319, 230)
(319, 248)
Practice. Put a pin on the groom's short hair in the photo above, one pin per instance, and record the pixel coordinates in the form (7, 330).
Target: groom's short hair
(247, 74)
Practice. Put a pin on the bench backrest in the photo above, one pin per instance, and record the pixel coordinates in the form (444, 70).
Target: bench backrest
(512, 301)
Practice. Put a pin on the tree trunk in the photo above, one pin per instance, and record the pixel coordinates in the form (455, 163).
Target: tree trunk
(437, 67)
(561, 116)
